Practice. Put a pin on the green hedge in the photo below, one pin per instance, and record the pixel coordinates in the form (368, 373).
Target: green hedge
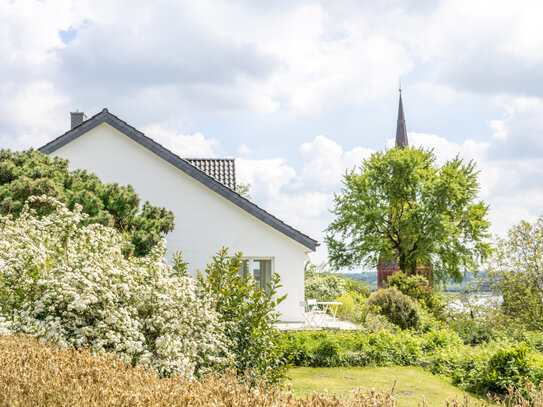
(357, 348)
(484, 368)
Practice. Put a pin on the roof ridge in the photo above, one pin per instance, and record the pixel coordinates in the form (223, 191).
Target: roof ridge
(210, 159)
(106, 117)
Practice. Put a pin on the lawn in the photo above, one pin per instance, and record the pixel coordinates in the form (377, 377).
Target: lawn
(412, 383)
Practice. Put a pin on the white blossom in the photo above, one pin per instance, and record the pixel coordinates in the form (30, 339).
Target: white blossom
(71, 284)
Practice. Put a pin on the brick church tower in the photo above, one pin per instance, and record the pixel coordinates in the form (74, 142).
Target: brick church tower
(386, 269)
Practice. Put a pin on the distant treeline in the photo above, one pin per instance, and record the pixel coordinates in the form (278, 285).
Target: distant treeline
(469, 282)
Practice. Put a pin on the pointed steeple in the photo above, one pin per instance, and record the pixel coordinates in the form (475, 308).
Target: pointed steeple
(401, 131)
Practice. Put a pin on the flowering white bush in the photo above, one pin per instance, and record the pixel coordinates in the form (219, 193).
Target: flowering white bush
(71, 284)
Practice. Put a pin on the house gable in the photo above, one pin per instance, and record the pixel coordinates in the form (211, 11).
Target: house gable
(105, 117)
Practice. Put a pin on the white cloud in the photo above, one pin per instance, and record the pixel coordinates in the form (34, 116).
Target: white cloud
(267, 177)
(30, 102)
(186, 146)
(302, 198)
(244, 151)
(168, 62)
(324, 163)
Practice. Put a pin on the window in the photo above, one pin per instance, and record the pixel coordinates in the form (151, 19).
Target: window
(259, 269)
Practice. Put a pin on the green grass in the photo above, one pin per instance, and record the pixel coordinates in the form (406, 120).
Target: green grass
(412, 383)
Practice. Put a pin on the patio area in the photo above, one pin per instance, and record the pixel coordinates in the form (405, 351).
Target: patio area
(325, 322)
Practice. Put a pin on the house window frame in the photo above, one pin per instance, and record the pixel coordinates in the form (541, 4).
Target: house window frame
(250, 270)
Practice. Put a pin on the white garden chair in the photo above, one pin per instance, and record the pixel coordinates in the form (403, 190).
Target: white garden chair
(313, 315)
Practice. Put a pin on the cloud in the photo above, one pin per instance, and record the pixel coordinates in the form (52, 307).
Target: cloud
(512, 187)
(485, 46)
(267, 177)
(302, 198)
(30, 102)
(324, 163)
(241, 71)
(185, 146)
(520, 135)
(135, 52)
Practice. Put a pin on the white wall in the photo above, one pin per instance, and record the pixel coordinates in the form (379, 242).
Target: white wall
(204, 220)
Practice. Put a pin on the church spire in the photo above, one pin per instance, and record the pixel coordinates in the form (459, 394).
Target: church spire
(401, 131)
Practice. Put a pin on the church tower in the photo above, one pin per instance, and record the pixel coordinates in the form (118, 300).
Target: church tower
(386, 269)
(401, 130)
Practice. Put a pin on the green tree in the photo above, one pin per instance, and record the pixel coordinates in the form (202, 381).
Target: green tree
(401, 203)
(516, 273)
(31, 173)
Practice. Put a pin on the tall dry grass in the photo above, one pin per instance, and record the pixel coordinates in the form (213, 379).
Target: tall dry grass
(34, 374)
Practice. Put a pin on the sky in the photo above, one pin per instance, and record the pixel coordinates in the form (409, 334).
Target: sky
(299, 92)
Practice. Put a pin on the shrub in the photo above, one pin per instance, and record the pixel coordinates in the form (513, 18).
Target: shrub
(354, 307)
(358, 287)
(481, 369)
(398, 308)
(327, 353)
(248, 314)
(418, 288)
(324, 286)
(532, 339)
(70, 284)
(473, 332)
(358, 348)
(32, 173)
(497, 369)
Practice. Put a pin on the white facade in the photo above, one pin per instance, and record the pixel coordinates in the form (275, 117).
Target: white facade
(204, 220)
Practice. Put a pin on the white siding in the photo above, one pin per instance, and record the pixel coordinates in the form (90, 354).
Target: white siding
(204, 220)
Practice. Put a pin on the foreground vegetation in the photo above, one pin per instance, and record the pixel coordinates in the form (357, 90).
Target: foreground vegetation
(68, 283)
(484, 369)
(482, 347)
(408, 385)
(34, 374)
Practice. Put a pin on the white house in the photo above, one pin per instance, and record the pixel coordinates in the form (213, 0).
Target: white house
(209, 214)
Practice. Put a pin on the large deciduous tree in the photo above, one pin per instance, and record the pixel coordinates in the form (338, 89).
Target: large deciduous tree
(402, 204)
(516, 273)
(31, 173)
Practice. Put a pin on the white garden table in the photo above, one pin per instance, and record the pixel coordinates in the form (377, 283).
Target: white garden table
(330, 305)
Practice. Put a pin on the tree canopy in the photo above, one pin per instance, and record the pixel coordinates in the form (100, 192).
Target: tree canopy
(30, 173)
(401, 204)
(516, 273)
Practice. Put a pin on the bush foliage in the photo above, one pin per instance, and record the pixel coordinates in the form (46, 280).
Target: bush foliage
(248, 314)
(31, 173)
(418, 288)
(324, 286)
(397, 307)
(69, 283)
(483, 369)
(516, 274)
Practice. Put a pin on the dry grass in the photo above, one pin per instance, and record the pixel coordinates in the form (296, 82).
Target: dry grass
(33, 374)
